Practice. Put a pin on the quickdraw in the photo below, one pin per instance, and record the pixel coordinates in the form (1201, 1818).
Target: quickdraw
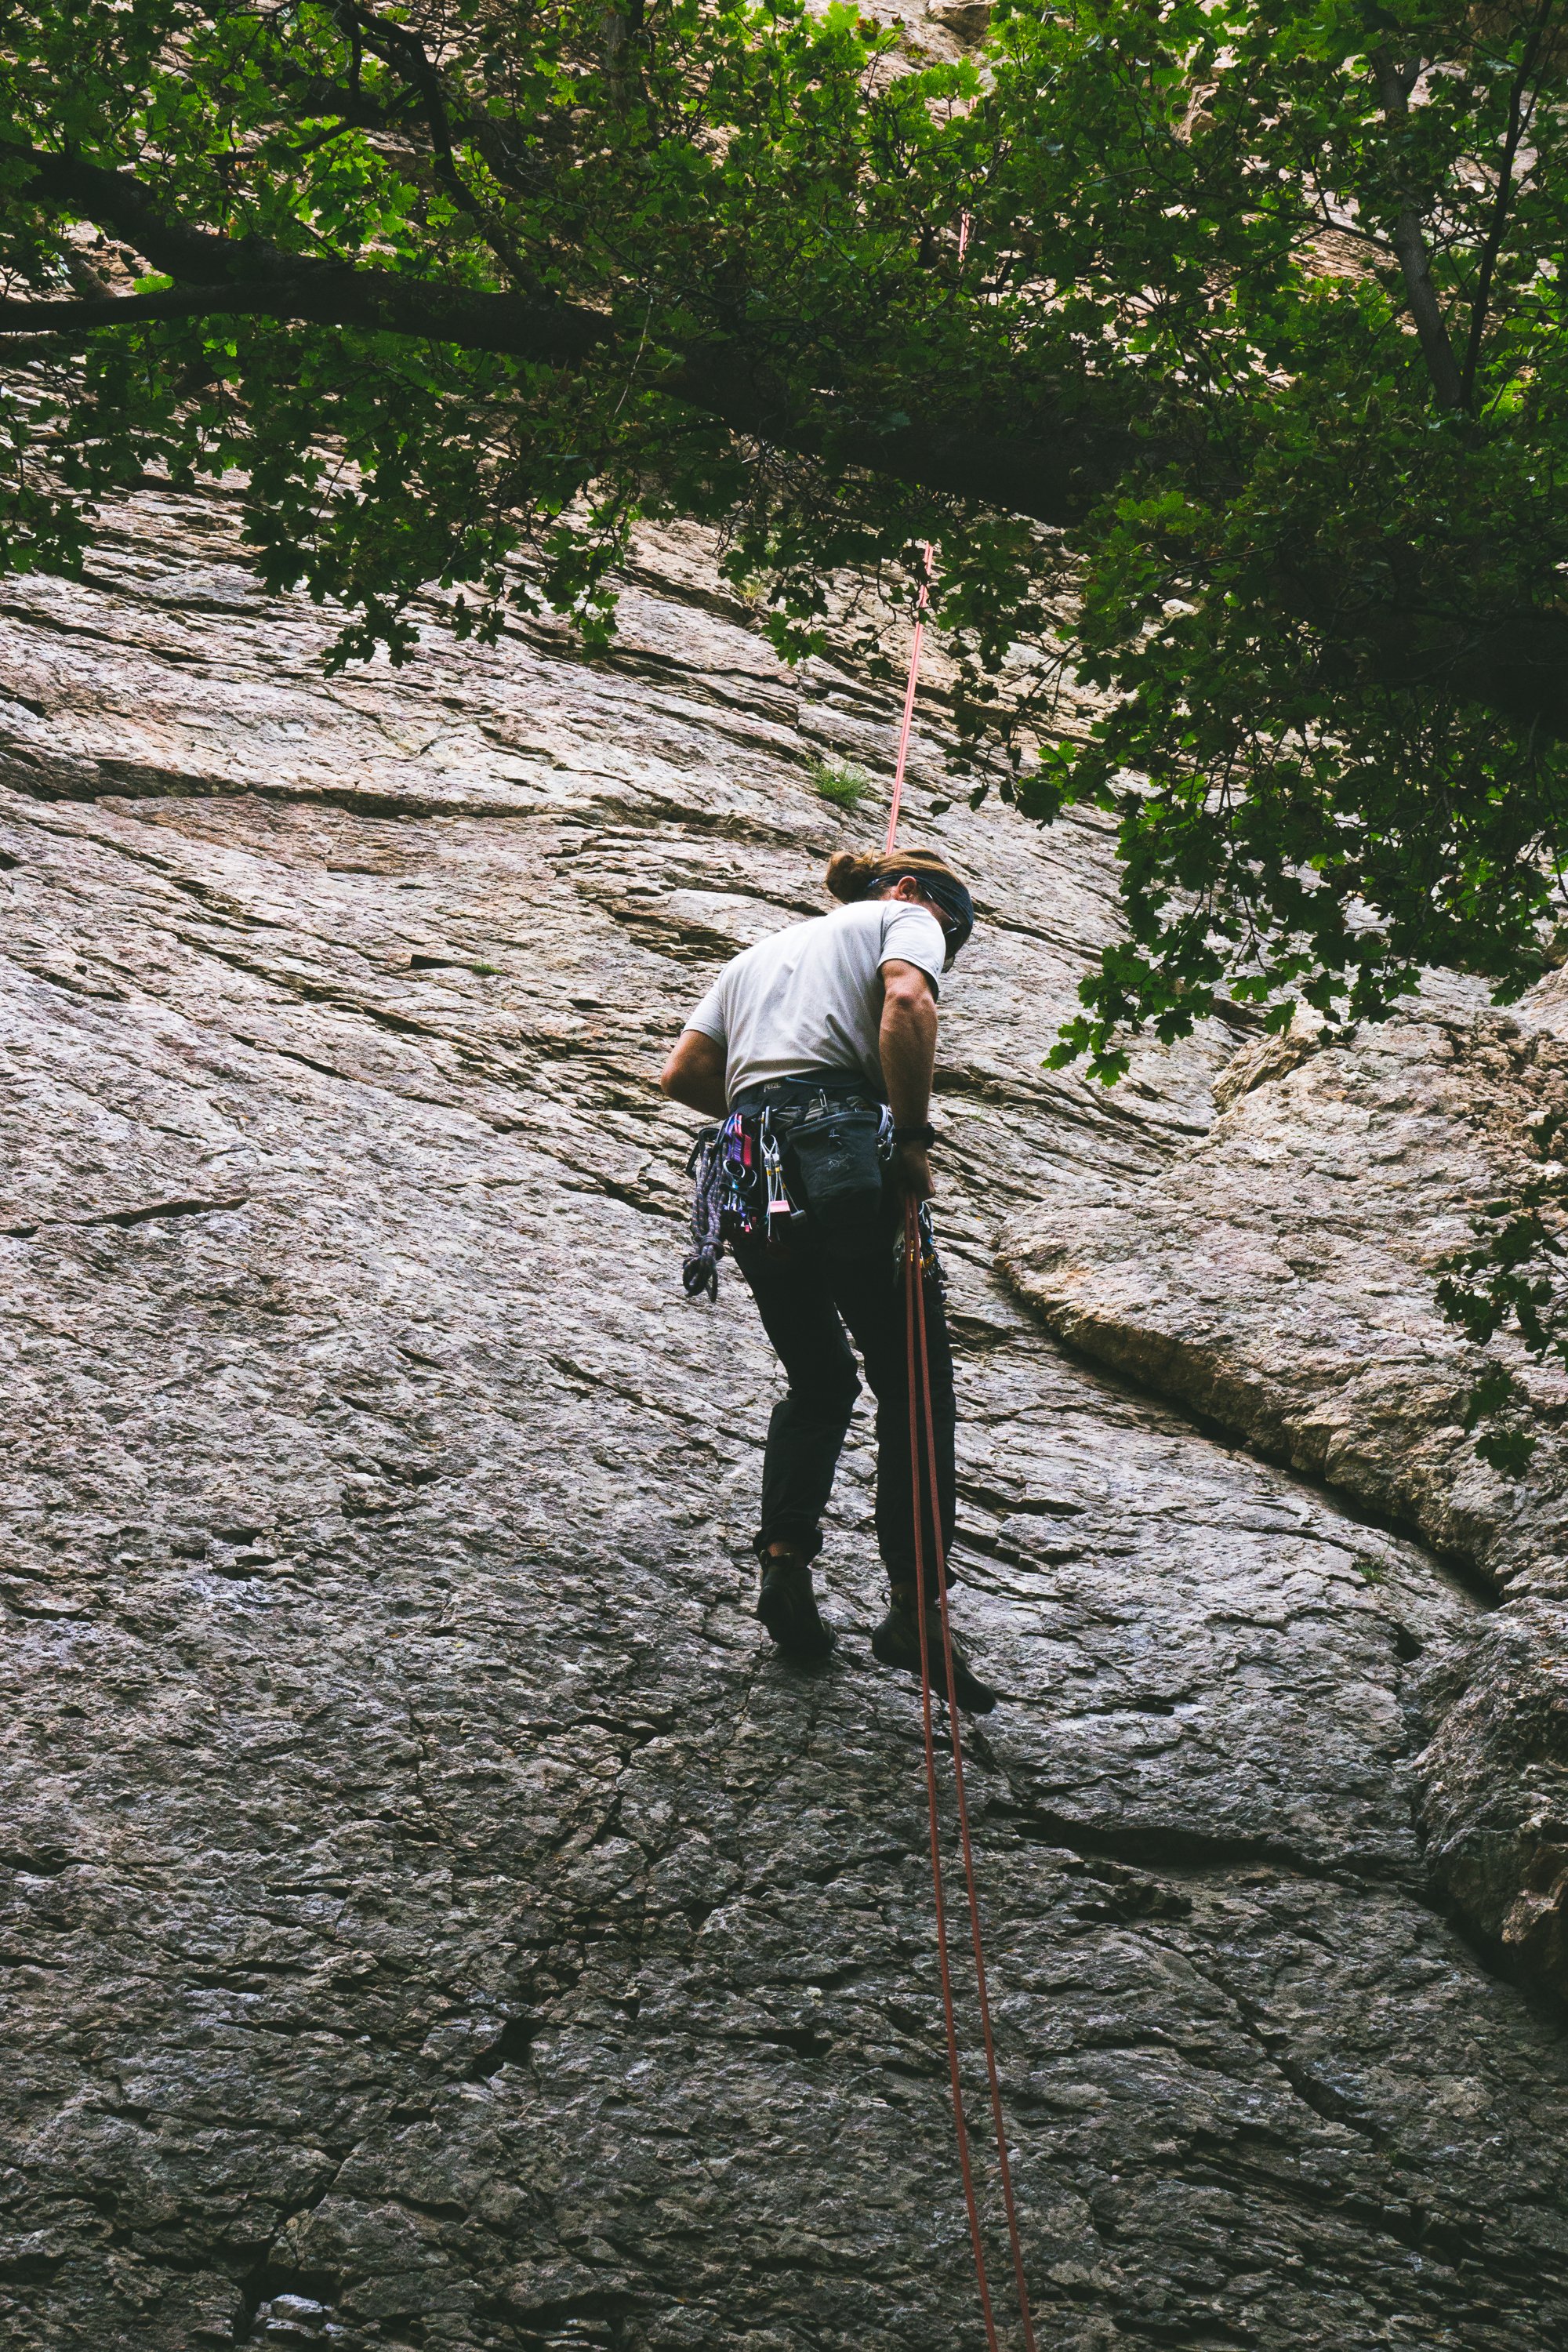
(726, 1163)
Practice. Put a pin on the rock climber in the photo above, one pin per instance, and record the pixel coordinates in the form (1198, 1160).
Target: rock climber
(810, 1046)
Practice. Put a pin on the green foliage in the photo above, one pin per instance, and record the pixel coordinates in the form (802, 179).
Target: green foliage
(1512, 1279)
(1314, 799)
(1508, 1450)
(1244, 405)
(841, 782)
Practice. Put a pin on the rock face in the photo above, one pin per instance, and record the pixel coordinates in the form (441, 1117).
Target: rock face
(1280, 1275)
(1279, 1279)
(434, 1917)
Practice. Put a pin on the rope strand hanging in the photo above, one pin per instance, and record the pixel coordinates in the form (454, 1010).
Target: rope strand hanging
(921, 604)
(923, 1448)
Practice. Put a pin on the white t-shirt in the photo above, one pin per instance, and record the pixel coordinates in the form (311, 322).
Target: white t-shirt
(807, 998)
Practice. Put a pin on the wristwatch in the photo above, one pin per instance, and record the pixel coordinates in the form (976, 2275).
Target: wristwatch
(924, 1136)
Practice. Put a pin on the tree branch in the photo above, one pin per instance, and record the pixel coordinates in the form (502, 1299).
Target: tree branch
(1394, 84)
(406, 55)
(1053, 476)
(1054, 483)
(118, 201)
(1051, 468)
(326, 295)
(1493, 245)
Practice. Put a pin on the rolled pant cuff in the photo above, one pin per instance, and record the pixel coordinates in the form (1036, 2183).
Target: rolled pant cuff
(807, 1541)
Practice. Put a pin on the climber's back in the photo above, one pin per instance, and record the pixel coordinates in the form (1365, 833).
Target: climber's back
(808, 998)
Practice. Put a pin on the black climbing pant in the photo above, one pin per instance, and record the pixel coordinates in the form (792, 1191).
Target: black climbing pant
(806, 1298)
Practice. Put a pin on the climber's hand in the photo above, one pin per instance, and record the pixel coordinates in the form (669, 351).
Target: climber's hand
(912, 1170)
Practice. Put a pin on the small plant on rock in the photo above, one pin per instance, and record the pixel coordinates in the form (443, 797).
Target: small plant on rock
(838, 781)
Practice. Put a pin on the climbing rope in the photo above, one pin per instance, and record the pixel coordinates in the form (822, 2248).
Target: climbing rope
(920, 1372)
(920, 1413)
(922, 602)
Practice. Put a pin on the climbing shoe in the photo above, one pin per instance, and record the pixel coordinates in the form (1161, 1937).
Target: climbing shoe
(788, 1607)
(897, 1642)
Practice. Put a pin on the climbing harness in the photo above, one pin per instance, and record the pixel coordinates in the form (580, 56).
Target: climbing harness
(739, 1193)
(743, 1192)
(922, 1427)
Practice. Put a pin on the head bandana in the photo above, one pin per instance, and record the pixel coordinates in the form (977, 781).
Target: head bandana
(946, 891)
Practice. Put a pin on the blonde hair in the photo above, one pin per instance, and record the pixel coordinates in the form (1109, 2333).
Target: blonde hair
(856, 873)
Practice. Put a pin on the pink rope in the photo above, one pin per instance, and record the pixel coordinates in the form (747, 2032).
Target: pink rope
(921, 604)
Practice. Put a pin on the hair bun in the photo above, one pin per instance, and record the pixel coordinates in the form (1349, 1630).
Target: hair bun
(850, 874)
(856, 873)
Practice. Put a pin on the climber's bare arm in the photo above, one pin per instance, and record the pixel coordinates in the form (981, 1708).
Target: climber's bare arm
(694, 1075)
(908, 1047)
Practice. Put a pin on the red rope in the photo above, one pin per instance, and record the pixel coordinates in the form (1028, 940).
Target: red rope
(918, 1306)
(912, 1284)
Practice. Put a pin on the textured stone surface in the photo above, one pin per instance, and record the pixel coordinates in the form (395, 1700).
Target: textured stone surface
(1494, 1783)
(1279, 1278)
(432, 1917)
